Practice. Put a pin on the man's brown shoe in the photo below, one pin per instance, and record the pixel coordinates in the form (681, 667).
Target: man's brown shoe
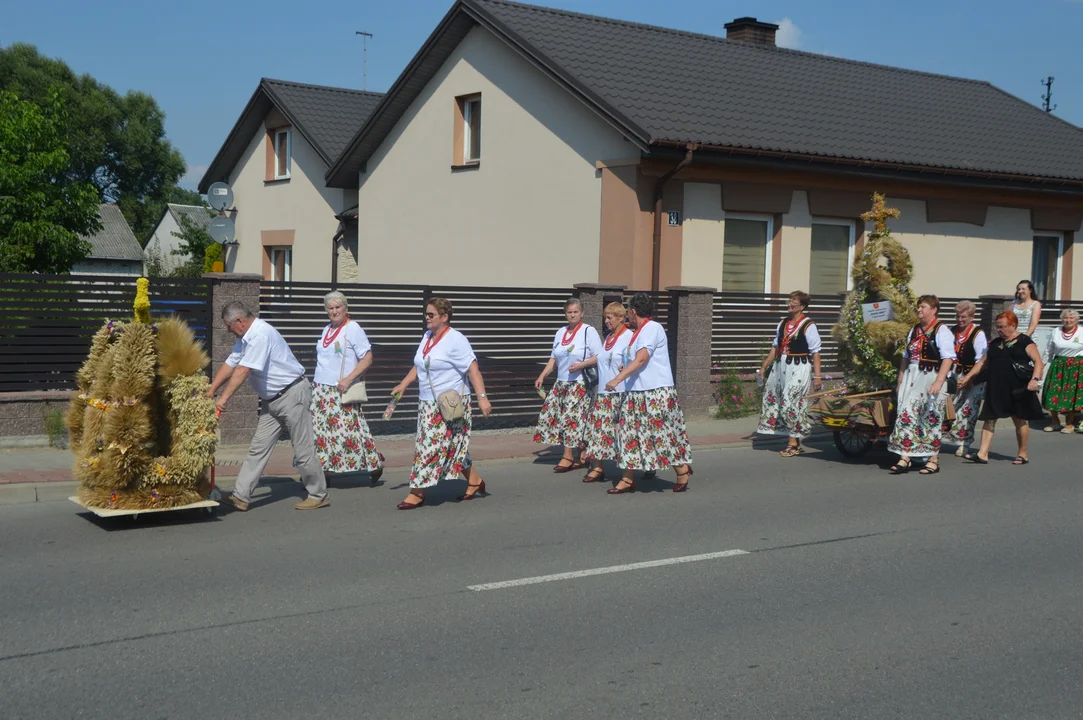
(312, 503)
(237, 503)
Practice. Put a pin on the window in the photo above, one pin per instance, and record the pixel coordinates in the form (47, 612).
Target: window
(1045, 265)
(283, 149)
(472, 130)
(281, 263)
(467, 135)
(832, 256)
(746, 254)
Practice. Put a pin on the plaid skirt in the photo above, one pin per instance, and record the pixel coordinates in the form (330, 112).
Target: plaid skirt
(651, 433)
(343, 440)
(603, 427)
(564, 416)
(441, 449)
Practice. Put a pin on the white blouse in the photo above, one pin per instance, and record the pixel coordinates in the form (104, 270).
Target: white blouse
(657, 373)
(445, 367)
(583, 345)
(612, 360)
(1071, 346)
(351, 343)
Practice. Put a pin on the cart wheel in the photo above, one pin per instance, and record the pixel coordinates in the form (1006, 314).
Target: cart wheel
(852, 443)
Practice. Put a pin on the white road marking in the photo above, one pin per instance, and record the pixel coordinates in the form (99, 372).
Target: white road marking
(606, 570)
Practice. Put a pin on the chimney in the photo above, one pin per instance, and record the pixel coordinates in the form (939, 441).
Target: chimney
(752, 31)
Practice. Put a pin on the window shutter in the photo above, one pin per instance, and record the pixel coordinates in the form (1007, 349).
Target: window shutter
(744, 256)
(830, 252)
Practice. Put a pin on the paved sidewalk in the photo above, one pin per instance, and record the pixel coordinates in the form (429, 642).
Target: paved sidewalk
(39, 474)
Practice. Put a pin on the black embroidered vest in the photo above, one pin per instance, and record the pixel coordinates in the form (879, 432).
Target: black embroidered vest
(966, 355)
(795, 348)
(930, 359)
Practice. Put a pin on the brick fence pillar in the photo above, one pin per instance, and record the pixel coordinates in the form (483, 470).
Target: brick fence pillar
(989, 306)
(694, 308)
(238, 422)
(593, 297)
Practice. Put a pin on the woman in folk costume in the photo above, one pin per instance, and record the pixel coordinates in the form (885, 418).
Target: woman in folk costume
(922, 390)
(1063, 388)
(344, 443)
(970, 347)
(651, 432)
(602, 430)
(795, 354)
(566, 411)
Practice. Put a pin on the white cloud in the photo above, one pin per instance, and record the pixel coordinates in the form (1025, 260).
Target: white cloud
(788, 35)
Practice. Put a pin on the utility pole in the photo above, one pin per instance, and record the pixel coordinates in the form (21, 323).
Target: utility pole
(1048, 84)
(365, 57)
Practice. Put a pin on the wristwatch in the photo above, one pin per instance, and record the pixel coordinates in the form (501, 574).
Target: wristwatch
(482, 396)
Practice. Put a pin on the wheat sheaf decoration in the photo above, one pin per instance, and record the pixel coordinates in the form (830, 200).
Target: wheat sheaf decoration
(141, 427)
(870, 352)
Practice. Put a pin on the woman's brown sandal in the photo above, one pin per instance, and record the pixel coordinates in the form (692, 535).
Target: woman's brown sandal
(791, 451)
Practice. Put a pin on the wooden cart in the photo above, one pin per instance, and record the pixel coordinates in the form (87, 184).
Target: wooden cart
(857, 422)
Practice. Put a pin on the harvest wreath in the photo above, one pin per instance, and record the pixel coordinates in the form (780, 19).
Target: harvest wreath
(141, 426)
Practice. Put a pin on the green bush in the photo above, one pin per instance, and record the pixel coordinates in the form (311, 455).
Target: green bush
(732, 396)
(55, 428)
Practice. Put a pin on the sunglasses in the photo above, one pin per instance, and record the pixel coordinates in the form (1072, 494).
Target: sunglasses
(430, 315)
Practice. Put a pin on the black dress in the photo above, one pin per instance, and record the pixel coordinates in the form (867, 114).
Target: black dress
(1006, 393)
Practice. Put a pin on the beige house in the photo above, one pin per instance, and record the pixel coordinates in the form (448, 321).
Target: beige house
(165, 242)
(288, 224)
(538, 147)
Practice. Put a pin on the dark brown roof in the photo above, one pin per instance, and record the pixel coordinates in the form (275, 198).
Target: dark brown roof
(659, 86)
(325, 116)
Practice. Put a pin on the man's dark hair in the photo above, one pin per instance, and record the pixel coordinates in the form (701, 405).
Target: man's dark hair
(642, 305)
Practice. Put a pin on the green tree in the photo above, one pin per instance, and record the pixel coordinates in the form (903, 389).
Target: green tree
(116, 143)
(42, 212)
(194, 242)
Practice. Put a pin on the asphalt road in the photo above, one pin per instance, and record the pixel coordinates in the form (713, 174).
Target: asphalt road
(860, 595)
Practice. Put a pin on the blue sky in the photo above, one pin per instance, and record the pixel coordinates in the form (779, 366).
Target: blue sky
(203, 62)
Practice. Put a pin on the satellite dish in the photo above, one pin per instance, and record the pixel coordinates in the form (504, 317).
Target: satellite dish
(219, 196)
(222, 231)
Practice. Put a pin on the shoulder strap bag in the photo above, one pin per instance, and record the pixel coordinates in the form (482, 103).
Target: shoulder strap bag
(356, 393)
(450, 403)
(590, 374)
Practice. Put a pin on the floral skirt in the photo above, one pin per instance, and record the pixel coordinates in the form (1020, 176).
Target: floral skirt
(564, 416)
(602, 433)
(967, 404)
(1063, 391)
(441, 449)
(651, 433)
(785, 409)
(343, 441)
(918, 423)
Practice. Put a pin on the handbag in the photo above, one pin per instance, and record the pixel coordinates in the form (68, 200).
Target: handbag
(1023, 372)
(356, 393)
(450, 403)
(953, 384)
(590, 374)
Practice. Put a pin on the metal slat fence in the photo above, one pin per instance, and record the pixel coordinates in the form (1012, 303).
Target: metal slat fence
(744, 325)
(47, 321)
(510, 329)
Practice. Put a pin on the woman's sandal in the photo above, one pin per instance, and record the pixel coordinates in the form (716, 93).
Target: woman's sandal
(561, 468)
(1052, 428)
(975, 458)
(591, 477)
(930, 469)
(791, 451)
(901, 468)
(682, 486)
(629, 488)
(1020, 461)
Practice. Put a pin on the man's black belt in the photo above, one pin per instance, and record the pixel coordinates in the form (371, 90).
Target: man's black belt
(283, 390)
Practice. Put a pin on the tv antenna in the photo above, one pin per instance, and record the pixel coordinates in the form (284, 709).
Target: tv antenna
(365, 57)
(1048, 83)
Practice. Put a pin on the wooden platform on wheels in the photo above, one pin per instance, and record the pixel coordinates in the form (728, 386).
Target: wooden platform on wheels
(209, 505)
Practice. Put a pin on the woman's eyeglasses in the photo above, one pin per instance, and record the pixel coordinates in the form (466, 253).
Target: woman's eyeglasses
(430, 315)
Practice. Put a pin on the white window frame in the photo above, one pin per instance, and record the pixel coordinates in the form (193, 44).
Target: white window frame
(287, 264)
(1060, 256)
(289, 153)
(770, 220)
(468, 109)
(853, 243)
